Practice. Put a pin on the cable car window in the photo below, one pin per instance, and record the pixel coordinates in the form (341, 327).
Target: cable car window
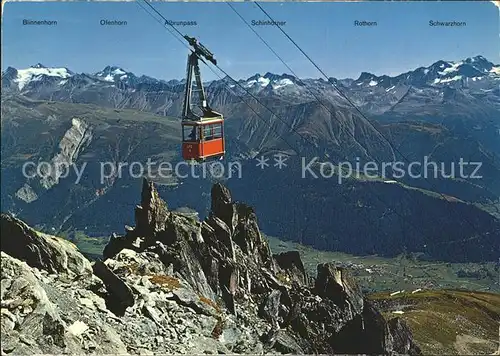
(190, 133)
(217, 130)
(212, 131)
(208, 132)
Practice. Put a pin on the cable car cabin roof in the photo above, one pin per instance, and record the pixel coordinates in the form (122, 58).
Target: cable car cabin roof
(204, 121)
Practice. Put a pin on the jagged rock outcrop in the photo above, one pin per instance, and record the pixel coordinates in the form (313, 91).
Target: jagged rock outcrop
(337, 285)
(173, 284)
(76, 138)
(40, 250)
(291, 262)
(403, 344)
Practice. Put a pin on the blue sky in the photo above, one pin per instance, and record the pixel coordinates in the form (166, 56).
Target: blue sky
(402, 41)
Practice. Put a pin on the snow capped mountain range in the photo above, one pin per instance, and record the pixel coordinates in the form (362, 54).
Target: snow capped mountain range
(22, 77)
(34, 76)
(475, 81)
(462, 73)
(441, 72)
(276, 81)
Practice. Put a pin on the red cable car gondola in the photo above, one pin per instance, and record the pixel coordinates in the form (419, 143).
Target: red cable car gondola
(202, 135)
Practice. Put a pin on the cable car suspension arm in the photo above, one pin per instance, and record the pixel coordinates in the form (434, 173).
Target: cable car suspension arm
(199, 52)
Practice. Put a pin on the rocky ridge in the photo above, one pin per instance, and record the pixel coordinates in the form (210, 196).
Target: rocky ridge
(177, 285)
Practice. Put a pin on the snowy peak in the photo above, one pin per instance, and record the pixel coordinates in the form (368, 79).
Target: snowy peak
(276, 77)
(113, 74)
(37, 73)
(111, 69)
(495, 70)
(365, 76)
(254, 77)
(372, 80)
(270, 81)
(439, 73)
(474, 68)
(367, 79)
(257, 80)
(480, 63)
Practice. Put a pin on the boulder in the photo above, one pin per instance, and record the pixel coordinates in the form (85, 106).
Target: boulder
(120, 296)
(38, 318)
(291, 264)
(338, 285)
